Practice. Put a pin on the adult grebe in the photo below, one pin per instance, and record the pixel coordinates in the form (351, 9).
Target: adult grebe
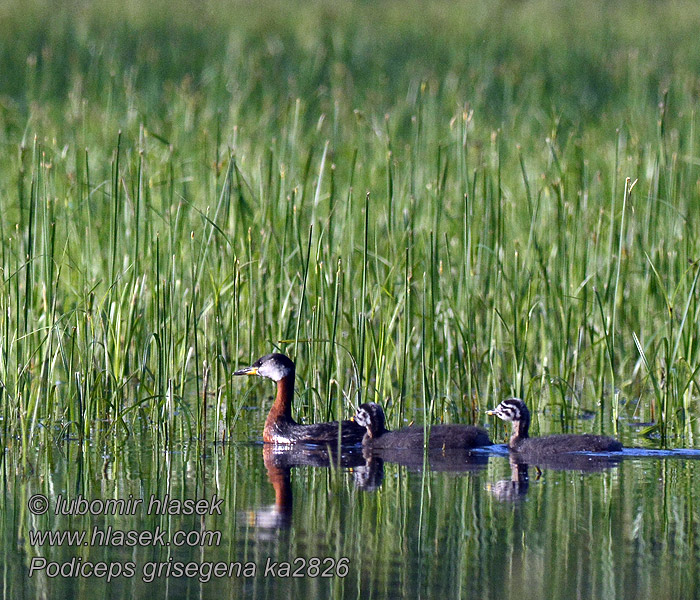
(279, 427)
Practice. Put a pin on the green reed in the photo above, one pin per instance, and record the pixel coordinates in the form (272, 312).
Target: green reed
(458, 230)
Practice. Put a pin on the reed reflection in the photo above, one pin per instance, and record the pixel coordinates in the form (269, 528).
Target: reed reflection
(455, 460)
(516, 488)
(365, 464)
(279, 462)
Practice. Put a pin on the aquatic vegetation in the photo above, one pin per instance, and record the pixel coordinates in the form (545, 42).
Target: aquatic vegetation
(428, 205)
(503, 206)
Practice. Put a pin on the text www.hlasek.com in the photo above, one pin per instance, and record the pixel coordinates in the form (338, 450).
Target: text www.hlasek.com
(117, 537)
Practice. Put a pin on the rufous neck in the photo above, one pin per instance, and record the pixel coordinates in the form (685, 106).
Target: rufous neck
(282, 407)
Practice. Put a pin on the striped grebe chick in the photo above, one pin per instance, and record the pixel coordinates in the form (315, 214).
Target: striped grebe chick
(279, 427)
(515, 410)
(371, 416)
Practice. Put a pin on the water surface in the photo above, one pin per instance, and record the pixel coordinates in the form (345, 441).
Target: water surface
(378, 526)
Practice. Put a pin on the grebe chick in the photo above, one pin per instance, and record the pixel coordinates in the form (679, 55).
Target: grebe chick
(515, 410)
(371, 416)
(279, 427)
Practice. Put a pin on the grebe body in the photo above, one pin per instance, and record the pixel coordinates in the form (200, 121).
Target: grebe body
(371, 416)
(280, 427)
(515, 410)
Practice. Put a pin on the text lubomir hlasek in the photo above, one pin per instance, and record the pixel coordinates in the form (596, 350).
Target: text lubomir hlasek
(131, 505)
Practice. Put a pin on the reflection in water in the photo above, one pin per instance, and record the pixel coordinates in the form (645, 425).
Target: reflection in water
(279, 461)
(301, 455)
(366, 466)
(369, 477)
(456, 460)
(278, 515)
(587, 463)
(515, 488)
(627, 532)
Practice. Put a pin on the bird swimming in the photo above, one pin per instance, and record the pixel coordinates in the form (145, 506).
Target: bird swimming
(515, 410)
(280, 427)
(371, 416)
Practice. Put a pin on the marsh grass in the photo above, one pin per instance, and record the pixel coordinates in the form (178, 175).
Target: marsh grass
(428, 222)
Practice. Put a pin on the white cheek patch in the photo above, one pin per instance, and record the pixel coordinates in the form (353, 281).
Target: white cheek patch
(273, 371)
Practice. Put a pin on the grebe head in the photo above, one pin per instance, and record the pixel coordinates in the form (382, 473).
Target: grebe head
(273, 366)
(371, 416)
(511, 409)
